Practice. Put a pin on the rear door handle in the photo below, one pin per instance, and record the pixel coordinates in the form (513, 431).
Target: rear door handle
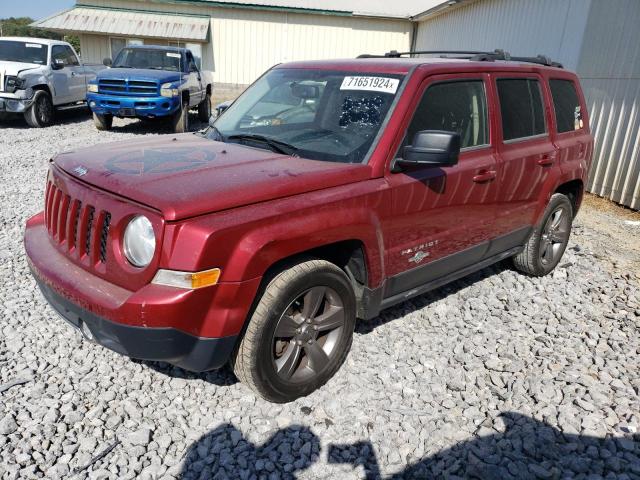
(547, 159)
(484, 176)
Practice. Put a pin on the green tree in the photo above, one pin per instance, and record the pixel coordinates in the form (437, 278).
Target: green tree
(19, 27)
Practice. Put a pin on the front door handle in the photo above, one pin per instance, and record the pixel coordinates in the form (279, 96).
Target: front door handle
(547, 159)
(485, 176)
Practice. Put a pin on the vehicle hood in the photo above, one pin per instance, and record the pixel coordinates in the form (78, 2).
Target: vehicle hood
(187, 175)
(161, 76)
(13, 68)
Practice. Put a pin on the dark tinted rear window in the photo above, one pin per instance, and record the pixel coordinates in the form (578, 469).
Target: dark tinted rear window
(566, 105)
(521, 108)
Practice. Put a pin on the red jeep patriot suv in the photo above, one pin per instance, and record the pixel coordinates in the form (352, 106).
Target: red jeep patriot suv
(327, 191)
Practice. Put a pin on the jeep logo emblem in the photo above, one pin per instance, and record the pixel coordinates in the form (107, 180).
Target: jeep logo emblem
(80, 170)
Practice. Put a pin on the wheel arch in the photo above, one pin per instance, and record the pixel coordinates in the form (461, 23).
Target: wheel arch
(574, 189)
(348, 255)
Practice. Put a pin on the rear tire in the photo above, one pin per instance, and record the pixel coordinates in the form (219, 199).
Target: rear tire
(204, 108)
(41, 112)
(299, 334)
(103, 122)
(547, 243)
(180, 120)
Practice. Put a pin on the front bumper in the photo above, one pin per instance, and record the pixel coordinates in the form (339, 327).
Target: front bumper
(124, 106)
(192, 353)
(14, 104)
(193, 329)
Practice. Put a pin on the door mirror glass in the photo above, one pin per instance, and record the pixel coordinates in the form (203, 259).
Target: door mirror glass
(431, 147)
(107, 62)
(57, 64)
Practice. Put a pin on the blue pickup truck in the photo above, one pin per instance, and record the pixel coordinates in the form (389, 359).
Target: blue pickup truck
(150, 82)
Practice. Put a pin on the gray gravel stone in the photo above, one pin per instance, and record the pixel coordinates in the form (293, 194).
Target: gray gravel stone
(498, 375)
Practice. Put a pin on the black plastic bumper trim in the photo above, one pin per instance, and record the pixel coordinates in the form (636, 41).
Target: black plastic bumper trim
(197, 354)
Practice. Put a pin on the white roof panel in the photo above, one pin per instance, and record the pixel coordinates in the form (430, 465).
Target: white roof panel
(377, 8)
(120, 22)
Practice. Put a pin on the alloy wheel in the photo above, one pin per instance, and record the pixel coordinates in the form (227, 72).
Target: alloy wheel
(555, 235)
(307, 334)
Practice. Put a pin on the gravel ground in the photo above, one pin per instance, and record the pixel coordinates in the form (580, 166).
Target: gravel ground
(495, 376)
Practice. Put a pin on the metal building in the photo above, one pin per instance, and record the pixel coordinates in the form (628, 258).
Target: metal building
(598, 39)
(238, 40)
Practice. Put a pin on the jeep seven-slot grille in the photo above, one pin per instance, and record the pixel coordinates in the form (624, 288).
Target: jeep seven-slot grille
(76, 226)
(116, 86)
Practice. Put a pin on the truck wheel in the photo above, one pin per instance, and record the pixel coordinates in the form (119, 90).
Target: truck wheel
(548, 241)
(103, 122)
(204, 108)
(40, 114)
(299, 334)
(181, 119)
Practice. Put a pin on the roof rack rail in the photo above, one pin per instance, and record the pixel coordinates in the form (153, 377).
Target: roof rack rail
(473, 55)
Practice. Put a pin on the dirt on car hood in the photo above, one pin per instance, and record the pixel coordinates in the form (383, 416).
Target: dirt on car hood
(187, 175)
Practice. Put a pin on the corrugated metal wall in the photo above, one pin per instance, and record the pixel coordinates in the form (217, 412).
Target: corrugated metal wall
(244, 43)
(599, 39)
(609, 70)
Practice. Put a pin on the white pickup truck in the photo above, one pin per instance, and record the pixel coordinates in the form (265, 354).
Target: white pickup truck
(39, 76)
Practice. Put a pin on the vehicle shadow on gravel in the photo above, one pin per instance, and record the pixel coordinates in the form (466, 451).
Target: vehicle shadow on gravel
(65, 117)
(527, 449)
(417, 303)
(222, 377)
(155, 126)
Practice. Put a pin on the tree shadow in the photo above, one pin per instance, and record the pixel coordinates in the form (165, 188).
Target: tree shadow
(526, 449)
(226, 453)
(402, 309)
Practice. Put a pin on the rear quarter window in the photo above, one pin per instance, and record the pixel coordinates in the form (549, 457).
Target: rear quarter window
(521, 108)
(566, 105)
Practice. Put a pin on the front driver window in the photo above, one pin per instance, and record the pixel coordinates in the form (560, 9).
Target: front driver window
(454, 107)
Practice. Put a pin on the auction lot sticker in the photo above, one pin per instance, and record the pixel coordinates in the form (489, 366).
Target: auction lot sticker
(371, 84)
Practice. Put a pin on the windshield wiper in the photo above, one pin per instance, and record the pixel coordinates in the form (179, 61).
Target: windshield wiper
(275, 145)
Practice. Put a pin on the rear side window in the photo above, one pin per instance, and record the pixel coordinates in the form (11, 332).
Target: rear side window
(566, 105)
(521, 108)
(454, 107)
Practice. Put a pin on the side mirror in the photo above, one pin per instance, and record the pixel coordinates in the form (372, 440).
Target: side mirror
(57, 64)
(107, 62)
(431, 147)
(221, 107)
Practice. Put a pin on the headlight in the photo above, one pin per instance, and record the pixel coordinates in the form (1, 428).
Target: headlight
(14, 83)
(139, 241)
(92, 87)
(169, 90)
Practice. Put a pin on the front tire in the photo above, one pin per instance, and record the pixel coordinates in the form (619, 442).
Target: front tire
(103, 122)
(204, 108)
(299, 334)
(547, 243)
(40, 114)
(180, 120)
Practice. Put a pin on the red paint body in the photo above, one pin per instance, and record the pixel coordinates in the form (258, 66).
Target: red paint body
(241, 209)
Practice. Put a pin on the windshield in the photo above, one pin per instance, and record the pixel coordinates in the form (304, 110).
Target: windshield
(24, 52)
(317, 114)
(153, 59)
